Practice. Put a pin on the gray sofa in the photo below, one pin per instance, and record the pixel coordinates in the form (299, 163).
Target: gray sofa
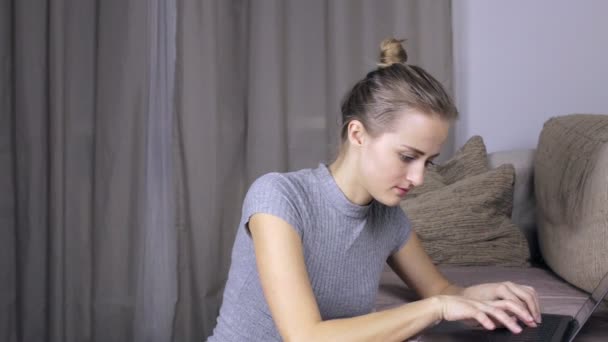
(566, 175)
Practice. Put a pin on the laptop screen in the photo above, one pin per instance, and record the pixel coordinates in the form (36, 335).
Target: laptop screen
(590, 305)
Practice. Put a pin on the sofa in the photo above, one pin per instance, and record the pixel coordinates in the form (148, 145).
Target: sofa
(560, 205)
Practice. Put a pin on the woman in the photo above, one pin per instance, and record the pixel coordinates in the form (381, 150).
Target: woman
(312, 244)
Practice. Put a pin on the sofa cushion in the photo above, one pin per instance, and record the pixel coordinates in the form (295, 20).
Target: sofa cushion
(468, 222)
(571, 189)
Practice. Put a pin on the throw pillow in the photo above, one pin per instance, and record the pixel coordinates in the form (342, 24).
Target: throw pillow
(470, 160)
(468, 221)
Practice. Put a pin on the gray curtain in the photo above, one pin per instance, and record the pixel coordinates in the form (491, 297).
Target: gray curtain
(88, 240)
(130, 131)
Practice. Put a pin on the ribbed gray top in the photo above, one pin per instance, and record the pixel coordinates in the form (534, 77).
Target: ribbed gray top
(345, 248)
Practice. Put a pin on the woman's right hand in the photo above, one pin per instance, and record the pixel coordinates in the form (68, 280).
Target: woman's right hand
(486, 313)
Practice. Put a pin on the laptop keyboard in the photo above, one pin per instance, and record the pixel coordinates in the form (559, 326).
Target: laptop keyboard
(544, 332)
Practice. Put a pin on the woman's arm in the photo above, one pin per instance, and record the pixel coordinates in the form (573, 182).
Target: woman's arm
(293, 306)
(413, 265)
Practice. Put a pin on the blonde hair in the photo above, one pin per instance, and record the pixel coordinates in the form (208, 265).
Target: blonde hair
(391, 88)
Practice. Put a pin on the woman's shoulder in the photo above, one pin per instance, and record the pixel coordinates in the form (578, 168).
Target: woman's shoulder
(285, 195)
(285, 183)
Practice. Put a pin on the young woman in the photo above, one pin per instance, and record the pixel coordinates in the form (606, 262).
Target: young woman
(312, 244)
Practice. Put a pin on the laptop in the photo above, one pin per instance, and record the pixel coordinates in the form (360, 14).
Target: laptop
(554, 328)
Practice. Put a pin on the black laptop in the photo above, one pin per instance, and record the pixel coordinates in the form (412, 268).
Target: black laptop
(554, 328)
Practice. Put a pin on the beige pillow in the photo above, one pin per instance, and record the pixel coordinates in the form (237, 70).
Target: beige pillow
(468, 222)
(470, 160)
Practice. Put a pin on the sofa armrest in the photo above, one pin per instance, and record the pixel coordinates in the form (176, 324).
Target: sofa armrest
(523, 214)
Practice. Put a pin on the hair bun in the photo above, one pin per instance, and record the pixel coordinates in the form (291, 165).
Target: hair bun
(391, 52)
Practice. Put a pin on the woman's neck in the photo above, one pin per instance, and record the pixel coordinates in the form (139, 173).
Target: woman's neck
(344, 172)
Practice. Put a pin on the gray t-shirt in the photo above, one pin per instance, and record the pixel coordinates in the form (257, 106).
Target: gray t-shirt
(345, 249)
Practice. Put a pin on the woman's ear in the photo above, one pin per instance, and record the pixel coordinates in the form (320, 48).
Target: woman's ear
(356, 133)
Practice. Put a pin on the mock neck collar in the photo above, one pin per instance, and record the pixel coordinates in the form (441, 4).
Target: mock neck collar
(336, 197)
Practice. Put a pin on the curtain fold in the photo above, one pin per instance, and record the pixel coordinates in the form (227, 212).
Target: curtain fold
(30, 157)
(87, 132)
(210, 140)
(156, 290)
(8, 240)
(134, 264)
(69, 39)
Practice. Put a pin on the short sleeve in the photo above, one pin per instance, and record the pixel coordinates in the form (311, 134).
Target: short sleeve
(273, 194)
(402, 227)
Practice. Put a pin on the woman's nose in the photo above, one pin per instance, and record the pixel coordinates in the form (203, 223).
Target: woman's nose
(415, 174)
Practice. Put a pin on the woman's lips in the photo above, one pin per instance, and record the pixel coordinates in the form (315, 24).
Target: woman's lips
(401, 191)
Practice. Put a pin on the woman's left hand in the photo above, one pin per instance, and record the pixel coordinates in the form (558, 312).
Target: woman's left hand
(521, 295)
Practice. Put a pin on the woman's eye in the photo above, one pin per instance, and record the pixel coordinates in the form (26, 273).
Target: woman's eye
(406, 158)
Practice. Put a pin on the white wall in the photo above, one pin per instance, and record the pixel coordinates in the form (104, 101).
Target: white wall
(518, 63)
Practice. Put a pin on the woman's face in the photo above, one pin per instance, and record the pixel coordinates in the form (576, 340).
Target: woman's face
(394, 162)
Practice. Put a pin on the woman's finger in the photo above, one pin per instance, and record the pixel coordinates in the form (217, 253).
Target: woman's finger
(498, 314)
(532, 291)
(517, 309)
(504, 292)
(528, 296)
(484, 320)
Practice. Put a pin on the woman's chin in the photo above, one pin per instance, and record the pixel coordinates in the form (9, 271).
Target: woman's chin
(390, 201)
